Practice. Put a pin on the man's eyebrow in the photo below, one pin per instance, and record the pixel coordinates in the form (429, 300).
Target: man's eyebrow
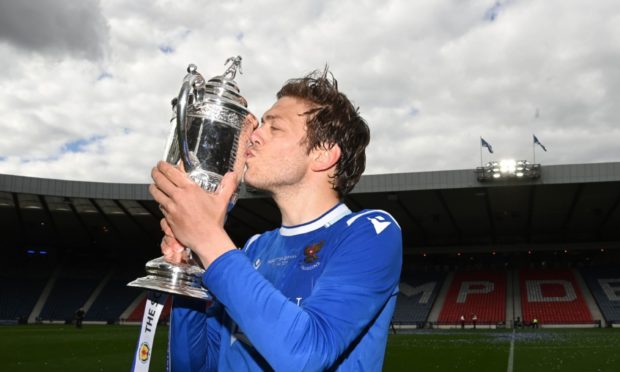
(269, 117)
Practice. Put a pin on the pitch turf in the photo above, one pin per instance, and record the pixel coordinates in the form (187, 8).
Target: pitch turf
(110, 348)
(574, 350)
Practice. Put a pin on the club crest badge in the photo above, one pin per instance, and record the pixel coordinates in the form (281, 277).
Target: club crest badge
(311, 251)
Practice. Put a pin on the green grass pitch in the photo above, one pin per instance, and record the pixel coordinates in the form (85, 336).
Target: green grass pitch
(110, 348)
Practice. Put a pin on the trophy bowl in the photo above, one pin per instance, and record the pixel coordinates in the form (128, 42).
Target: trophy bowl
(210, 135)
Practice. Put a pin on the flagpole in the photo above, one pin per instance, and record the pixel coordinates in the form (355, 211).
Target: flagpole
(533, 151)
(480, 145)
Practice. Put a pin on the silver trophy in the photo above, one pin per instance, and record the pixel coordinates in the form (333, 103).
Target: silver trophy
(211, 134)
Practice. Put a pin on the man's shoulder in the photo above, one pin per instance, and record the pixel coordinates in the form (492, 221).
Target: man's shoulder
(258, 238)
(378, 219)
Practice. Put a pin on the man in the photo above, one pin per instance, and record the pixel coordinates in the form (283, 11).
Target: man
(79, 317)
(319, 292)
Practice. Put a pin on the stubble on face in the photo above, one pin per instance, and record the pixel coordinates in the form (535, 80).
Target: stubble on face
(279, 157)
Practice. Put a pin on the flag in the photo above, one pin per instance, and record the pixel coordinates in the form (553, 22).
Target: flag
(537, 142)
(484, 143)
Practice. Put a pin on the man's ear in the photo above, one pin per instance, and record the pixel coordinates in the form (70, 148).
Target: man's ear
(325, 158)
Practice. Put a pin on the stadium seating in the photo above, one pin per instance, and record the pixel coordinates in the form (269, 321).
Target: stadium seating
(482, 293)
(20, 287)
(115, 296)
(552, 296)
(604, 283)
(418, 292)
(73, 287)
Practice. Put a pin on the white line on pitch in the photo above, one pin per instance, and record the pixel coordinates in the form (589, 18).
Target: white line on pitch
(511, 353)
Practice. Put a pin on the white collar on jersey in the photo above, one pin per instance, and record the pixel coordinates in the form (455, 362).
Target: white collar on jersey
(327, 219)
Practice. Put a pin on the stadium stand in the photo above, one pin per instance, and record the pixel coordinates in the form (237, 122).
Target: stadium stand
(20, 287)
(115, 296)
(452, 224)
(604, 283)
(418, 292)
(73, 287)
(481, 293)
(552, 296)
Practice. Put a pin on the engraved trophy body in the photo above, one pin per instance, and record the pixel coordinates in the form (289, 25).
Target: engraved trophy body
(213, 128)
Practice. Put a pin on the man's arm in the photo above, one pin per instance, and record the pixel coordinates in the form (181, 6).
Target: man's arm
(356, 284)
(195, 325)
(194, 339)
(194, 329)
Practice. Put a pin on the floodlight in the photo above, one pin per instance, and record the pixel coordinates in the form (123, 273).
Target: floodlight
(508, 169)
(507, 166)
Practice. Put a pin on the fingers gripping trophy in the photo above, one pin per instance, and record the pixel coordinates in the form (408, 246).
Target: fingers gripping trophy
(210, 136)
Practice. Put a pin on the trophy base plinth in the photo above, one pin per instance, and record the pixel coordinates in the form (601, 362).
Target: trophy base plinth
(162, 285)
(184, 279)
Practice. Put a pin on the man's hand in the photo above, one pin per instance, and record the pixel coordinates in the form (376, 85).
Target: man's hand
(195, 218)
(173, 251)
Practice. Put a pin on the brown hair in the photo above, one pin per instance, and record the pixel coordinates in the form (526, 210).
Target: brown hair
(332, 120)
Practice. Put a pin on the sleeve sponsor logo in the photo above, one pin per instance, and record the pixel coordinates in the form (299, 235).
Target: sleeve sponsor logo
(379, 223)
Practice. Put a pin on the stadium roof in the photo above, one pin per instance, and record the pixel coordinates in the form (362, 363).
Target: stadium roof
(569, 205)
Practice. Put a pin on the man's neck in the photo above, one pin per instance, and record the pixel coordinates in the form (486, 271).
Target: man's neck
(304, 204)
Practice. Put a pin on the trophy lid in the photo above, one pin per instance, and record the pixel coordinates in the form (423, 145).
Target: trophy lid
(222, 87)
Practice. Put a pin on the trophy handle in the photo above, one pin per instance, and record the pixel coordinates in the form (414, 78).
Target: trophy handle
(181, 118)
(191, 81)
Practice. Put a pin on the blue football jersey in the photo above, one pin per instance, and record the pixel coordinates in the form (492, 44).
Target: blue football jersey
(299, 298)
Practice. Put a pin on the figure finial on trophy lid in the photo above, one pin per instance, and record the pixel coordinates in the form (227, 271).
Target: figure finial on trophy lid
(232, 69)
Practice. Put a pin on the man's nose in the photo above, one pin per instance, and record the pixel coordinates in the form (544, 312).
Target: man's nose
(256, 138)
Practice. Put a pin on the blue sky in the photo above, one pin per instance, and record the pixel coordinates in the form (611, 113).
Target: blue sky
(86, 86)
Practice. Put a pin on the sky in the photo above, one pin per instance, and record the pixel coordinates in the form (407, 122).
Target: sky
(85, 86)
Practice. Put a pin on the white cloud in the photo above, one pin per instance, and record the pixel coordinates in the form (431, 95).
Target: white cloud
(430, 77)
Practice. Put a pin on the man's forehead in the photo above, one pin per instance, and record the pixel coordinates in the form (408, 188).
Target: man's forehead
(286, 106)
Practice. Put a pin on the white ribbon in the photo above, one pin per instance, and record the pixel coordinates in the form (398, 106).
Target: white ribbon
(152, 310)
